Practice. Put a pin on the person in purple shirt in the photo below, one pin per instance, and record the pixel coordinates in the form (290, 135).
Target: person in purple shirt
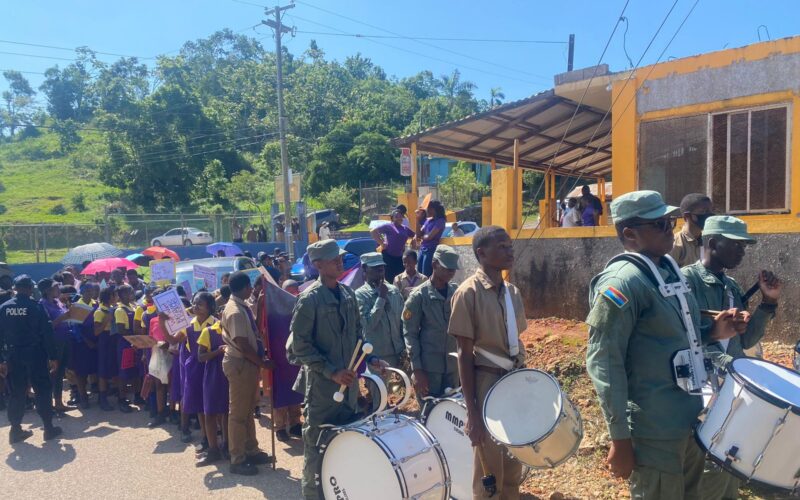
(430, 233)
(393, 237)
(58, 315)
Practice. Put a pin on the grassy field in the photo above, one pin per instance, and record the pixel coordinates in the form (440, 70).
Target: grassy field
(29, 256)
(36, 177)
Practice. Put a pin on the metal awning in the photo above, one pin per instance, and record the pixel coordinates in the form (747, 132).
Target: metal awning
(539, 122)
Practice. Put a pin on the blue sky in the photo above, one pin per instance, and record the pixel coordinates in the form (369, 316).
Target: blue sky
(146, 28)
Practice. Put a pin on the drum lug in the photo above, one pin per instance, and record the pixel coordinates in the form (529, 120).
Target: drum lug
(549, 462)
(730, 455)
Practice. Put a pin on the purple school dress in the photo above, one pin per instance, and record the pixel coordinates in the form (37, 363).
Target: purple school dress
(215, 383)
(107, 363)
(175, 374)
(122, 344)
(84, 358)
(192, 377)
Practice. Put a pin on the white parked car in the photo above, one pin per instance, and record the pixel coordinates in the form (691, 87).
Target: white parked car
(186, 236)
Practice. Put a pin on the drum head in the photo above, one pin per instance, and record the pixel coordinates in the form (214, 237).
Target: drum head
(771, 381)
(446, 422)
(354, 466)
(522, 407)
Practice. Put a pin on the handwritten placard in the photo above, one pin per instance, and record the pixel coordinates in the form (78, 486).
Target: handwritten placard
(187, 287)
(141, 341)
(207, 276)
(169, 303)
(162, 272)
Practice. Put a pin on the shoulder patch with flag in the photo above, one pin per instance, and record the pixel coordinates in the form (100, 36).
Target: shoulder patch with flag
(407, 314)
(615, 296)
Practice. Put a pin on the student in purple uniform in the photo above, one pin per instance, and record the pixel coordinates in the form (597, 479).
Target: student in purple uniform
(211, 348)
(429, 233)
(58, 315)
(107, 365)
(192, 391)
(83, 361)
(126, 354)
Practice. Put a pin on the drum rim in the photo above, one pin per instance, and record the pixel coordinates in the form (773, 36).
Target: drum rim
(430, 404)
(543, 436)
(730, 470)
(775, 401)
(572, 452)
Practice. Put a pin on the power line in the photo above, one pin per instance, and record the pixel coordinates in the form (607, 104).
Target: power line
(55, 47)
(21, 71)
(433, 38)
(36, 56)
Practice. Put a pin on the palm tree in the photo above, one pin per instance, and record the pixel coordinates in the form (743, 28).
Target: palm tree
(496, 96)
(452, 87)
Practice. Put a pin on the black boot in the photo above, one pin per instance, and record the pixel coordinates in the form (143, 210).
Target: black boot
(51, 432)
(74, 397)
(17, 435)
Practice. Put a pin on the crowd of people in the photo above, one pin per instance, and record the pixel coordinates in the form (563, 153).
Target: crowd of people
(415, 317)
(583, 211)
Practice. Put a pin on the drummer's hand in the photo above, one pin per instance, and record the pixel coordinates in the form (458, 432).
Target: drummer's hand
(379, 366)
(620, 458)
(475, 429)
(723, 325)
(770, 287)
(421, 384)
(344, 377)
(740, 322)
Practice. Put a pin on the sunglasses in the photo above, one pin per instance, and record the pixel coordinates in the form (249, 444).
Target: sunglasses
(664, 225)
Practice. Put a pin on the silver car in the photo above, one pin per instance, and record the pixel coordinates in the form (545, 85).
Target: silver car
(186, 236)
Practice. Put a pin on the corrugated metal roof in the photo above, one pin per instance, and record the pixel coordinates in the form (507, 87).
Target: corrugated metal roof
(539, 122)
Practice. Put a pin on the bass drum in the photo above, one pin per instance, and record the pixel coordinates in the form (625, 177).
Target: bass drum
(386, 456)
(752, 427)
(445, 419)
(527, 412)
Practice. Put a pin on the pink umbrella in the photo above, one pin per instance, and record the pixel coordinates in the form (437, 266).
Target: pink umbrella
(108, 265)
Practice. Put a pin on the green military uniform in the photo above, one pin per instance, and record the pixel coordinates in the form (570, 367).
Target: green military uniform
(325, 328)
(425, 321)
(634, 332)
(381, 317)
(719, 292)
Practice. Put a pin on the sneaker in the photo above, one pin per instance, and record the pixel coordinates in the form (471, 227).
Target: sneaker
(260, 458)
(296, 431)
(282, 435)
(209, 458)
(125, 407)
(52, 433)
(17, 435)
(156, 421)
(244, 469)
(138, 401)
(74, 397)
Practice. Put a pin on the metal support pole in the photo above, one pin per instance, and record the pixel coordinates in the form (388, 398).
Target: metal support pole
(571, 56)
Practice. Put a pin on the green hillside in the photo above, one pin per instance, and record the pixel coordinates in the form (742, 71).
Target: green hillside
(37, 178)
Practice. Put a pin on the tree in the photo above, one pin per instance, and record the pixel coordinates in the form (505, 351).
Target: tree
(68, 138)
(250, 191)
(69, 91)
(461, 187)
(496, 96)
(18, 99)
(210, 188)
(454, 89)
(342, 200)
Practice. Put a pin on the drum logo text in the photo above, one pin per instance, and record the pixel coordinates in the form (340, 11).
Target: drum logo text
(454, 420)
(339, 492)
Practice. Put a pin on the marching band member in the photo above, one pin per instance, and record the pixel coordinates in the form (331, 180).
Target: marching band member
(486, 320)
(634, 333)
(725, 239)
(425, 319)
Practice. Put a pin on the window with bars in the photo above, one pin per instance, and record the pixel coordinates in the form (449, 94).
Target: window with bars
(739, 158)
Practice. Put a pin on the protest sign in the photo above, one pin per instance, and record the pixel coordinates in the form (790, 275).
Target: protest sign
(205, 275)
(140, 341)
(187, 287)
(162, 272)
(170, 304)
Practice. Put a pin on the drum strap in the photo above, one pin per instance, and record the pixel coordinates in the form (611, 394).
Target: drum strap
(698, 373)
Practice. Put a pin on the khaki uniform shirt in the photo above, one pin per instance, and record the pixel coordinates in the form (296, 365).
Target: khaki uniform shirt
(381, 320)
(479, 313)
(722, 292)
(236, 324)
(633, 334)
(407, 285)
(686, 249)
(425, 322)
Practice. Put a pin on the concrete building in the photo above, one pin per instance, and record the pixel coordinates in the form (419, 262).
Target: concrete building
(724, 123)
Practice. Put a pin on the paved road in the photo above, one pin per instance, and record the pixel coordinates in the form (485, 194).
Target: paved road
(114, 456)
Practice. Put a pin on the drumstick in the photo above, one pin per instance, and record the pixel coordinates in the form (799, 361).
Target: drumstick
(488, 480)
(355, 353)
(710, 313)
(338, 396)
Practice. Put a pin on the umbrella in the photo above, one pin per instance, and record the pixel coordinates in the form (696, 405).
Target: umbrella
(108, 265)
(92, 251)
(161, 253)
(229, 248)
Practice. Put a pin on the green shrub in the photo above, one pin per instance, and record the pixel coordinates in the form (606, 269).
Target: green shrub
(58, 210)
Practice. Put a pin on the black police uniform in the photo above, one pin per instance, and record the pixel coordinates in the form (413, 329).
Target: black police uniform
(26, 344)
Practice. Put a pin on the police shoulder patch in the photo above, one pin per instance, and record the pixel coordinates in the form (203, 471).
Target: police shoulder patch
(407, 314)
(615, 296)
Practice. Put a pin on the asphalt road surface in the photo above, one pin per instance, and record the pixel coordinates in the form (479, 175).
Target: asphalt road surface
(115, 456)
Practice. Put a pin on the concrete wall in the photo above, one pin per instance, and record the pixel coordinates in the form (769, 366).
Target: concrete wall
(554, 274)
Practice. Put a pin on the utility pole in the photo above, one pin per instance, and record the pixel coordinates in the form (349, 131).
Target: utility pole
(571, 56)
(279, 30)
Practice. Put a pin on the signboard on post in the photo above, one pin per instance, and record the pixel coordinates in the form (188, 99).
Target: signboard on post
(405, 162)
(295, 180)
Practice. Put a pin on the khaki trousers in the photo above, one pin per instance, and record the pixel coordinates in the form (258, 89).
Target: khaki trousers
(243, 379)
(507, 471)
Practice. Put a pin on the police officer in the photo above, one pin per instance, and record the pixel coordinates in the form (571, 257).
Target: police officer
(325, 328)
(724, 240)
(381, 305)
(425, 319)
(26, 345)
(634, 331)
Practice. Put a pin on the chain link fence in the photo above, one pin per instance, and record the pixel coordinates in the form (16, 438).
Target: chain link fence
(379, 199)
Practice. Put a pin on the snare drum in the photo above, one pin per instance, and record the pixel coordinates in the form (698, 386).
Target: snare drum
(385, 456)
(752, 427)
(445, 419)
(527, 412)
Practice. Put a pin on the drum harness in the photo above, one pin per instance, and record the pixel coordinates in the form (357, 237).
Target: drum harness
(691, 369)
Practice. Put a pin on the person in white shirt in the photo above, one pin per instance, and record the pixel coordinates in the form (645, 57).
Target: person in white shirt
(572, 216)
(325, 231)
